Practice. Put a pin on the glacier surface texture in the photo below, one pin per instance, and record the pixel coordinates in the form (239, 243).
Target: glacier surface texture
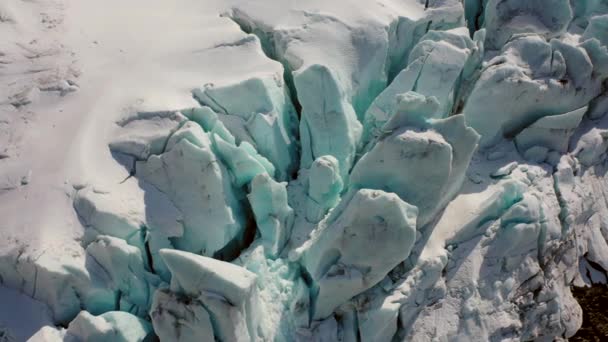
(369, 171)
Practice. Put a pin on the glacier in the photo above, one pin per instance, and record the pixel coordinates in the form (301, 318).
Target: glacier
(392, 171)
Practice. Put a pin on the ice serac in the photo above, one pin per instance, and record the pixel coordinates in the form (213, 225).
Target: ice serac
(371, 220)
(337, 64)
(364, 51)
(530, 79)
(111, 275)
(328, 124)
(421, 159)
(439, 65)
(505, 19)
(212, 123)
(414, 20)
(211, 298)
(324, 187)
(302, 42)
(259, 109)
(134, 211)
(273, 215)
(200, 187)
(551, 132)
(239, 155)
(597, 28)
(111, 326)
(243, 161)
(583, 11)
(120, 281)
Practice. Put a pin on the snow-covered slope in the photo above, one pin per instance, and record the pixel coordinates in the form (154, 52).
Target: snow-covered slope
(315, 171)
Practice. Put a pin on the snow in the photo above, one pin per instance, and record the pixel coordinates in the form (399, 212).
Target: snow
(316, 171)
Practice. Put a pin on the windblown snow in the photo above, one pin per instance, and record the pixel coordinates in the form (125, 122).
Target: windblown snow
(232, 170)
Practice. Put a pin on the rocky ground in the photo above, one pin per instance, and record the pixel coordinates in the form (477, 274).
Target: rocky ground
(594, 301)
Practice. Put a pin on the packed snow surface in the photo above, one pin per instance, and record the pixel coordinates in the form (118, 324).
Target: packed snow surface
(232, 170)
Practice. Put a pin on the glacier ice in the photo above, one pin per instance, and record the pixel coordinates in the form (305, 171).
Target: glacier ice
(332, 256)
(400, 164)
(243, 161)
(451, 54)
(283, 295)
(335, 89)
(135, 212)
(329, 125)
(146, 134)
(591, 146)
(552, 132)
(324, 187)
(264, 113)
(220, 300)
(119, 277)
(113, 325)
(273, 215)
(530, 79)
(177, 318)
(199, 185)
(421, 159)
(507, 18)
